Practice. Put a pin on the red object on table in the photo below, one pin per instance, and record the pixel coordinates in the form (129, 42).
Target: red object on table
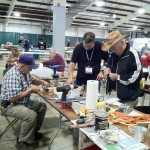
(92, 147)
(65, 105)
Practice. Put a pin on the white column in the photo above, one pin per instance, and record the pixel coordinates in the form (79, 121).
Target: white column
(59, 19)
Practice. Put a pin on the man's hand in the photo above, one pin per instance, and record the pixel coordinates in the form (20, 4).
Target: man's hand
(69, 81)
(113, 76)
(34, 89)
(45, 83)
(100, 76)
(107, 71)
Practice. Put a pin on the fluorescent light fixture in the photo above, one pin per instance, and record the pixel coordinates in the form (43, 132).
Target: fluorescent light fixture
(135, 27)
(114, 15)
(100, 3)
(16, 14)
(134, 18)
(141, 10)
(102, 23)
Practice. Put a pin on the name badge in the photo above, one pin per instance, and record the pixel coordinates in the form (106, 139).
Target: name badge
(88, 70)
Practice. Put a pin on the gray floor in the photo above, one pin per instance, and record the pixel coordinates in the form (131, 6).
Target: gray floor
(66, 139)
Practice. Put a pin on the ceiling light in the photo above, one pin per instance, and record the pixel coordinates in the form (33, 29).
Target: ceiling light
(141, 10)
(135, 27)
(99, 3)
(102, 23)
(114, 16)
(134, 18)
(16, 14)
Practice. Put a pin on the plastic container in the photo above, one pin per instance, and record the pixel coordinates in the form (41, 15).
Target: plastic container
(101, 107)
(101, 117)
(131, 129)
(101, 121)
(140, 134)
(66, 71)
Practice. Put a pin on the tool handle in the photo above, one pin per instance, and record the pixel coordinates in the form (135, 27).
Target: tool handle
(80, 126)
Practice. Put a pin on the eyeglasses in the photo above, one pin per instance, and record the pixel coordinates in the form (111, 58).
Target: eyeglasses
(114, 47)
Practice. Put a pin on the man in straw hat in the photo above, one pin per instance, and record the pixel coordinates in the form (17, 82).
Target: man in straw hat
(124, 69)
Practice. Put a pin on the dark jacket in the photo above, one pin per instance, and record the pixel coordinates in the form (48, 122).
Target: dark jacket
(129, 67)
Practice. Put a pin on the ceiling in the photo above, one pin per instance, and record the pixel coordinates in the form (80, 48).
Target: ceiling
(81, 13)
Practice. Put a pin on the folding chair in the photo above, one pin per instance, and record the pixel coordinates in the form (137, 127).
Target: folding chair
(11, 122)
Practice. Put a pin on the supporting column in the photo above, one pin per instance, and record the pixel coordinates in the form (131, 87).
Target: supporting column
(59, 19)
(5, 26)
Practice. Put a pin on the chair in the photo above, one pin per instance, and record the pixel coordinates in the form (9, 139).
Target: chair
(11, 122)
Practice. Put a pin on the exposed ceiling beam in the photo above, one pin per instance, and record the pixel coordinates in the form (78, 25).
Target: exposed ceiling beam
(35, 2)
(91, 19)
(143, 18)
(29, 7)
(130, 16)
(30, 11)
(10, 9)
(5, 2)
(114, 8)
(90, 23)
(88, 14)
(146, 22)
(105, 12)
(118, 3)
(25, 18)
(142, 1)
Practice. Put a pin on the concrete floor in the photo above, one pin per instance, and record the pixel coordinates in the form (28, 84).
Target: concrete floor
(65, 140)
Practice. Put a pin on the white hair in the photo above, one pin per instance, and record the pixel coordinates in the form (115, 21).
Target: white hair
(52, 50)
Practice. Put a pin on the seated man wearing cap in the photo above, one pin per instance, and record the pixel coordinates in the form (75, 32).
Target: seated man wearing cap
(124, 69)
(15, 100)
(55, 59)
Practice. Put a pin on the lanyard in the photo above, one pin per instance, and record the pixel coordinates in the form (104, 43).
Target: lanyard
(89, 59)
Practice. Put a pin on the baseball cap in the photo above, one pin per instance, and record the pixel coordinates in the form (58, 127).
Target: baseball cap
(28, 60)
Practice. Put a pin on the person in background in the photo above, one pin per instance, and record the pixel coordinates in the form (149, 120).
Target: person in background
(26, 44)
(41, 44)
(144, 49)
(124, 69)
(12, 59)
(145, 59)
(16, 102)
(21, 41)
(87, 55)
(77, 43)
(55, 59)
(68, 43)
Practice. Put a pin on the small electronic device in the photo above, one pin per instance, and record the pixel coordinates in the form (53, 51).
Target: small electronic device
(80, 121)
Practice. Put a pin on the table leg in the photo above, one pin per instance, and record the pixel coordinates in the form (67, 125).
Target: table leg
(50, 143)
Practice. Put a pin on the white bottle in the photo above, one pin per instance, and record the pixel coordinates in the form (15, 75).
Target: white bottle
(66, 71)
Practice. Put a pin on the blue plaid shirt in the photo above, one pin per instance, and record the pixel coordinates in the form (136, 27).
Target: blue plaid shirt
(14, 83)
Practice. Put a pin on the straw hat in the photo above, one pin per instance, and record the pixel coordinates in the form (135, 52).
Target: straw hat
(112, 38)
